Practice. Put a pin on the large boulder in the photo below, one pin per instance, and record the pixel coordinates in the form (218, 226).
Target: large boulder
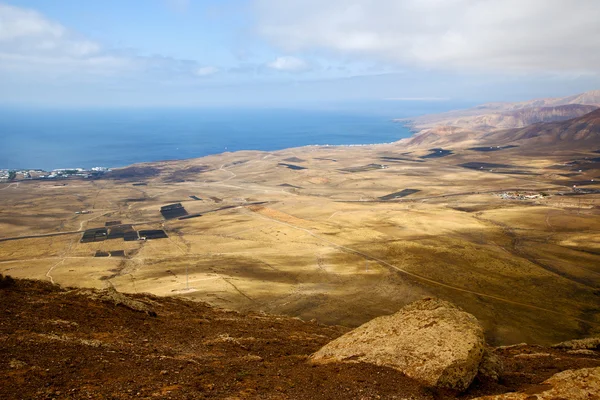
(581, 384)
(430, 340)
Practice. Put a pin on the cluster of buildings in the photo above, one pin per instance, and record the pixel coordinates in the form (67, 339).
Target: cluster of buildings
(5, 175)
(521, 195)
(17, 175)
(9, 175)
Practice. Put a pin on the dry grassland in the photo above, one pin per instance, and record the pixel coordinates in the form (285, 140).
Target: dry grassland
(323, 245)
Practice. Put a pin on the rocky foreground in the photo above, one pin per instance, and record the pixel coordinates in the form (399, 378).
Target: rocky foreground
(75, 343)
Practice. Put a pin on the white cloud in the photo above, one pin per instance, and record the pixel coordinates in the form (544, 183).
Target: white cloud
(24, 31)
(206, 71)
(18, 23)
(496, 35)
(417, 99)
(289, 64)
(33, 45)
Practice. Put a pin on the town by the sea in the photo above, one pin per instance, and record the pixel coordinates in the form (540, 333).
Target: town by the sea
(50, 139)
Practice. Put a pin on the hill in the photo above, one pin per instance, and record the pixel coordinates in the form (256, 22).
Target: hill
(77, 343)
(591, 97)
(494, 116)
(577, 132)
(565, 126)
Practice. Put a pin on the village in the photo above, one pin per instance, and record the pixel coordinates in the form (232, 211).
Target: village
(12, 175)
(522, 195)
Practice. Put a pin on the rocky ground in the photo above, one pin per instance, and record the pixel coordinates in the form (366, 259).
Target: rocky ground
(75, 343)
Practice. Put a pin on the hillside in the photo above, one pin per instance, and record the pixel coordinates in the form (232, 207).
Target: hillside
(494, 116)
(591, 97)
(77, 343)
(443, 135)
(574, 133)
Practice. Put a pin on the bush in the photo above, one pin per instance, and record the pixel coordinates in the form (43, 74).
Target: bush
(6, 281)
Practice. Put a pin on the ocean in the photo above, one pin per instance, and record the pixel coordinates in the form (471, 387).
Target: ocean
(84, 138)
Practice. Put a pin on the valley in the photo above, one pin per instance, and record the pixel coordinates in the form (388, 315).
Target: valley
(512, 236)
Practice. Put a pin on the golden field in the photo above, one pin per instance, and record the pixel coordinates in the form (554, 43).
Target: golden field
(322, 244)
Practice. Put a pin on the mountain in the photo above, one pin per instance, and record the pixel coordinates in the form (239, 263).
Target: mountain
(523, 117)
(492, 116)
(580, 132)
(591, 97)
(443, 136)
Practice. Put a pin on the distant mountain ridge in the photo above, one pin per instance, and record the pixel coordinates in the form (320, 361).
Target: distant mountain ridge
(591, 97)
(584, 130)
(492, 116)
(572, 120)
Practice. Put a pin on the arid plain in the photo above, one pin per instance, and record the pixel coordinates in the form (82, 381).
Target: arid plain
(309, 232)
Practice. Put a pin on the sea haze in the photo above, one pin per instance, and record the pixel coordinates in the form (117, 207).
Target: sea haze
(72, 138)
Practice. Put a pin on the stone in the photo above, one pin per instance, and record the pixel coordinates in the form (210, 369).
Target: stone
(16, 364)
(430, 340)
(119, 299)
(491, 366)
(592, 343)
(583, 352)
(580, 384)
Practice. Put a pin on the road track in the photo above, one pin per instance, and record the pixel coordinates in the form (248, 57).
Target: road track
(10, 185)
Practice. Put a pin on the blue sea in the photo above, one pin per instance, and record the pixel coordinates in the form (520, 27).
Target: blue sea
(85, 138)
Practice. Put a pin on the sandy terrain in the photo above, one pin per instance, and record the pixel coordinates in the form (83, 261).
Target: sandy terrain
(323, 245)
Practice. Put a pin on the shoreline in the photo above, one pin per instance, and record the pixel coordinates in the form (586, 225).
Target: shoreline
(123, 139)
(109, 168)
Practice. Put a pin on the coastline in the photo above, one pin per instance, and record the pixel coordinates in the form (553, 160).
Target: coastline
(326, 145)
(115, 138)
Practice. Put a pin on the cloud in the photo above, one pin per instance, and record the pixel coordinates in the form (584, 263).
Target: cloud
(206, 71)
(417, 99)
(17, 23)
(27, 32)
(493, 35)
(29, 42)
(289, 64)
(34, 46)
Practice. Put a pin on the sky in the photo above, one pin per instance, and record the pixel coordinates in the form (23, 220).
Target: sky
(284, 52)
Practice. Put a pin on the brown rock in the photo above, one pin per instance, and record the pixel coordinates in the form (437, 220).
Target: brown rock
(592, 343)
(571, 384)
(583, 352)
(430, 340)
(119, 299)
(491, 366)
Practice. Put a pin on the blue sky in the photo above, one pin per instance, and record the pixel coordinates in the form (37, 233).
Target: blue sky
(274, 52)
(208, 32)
